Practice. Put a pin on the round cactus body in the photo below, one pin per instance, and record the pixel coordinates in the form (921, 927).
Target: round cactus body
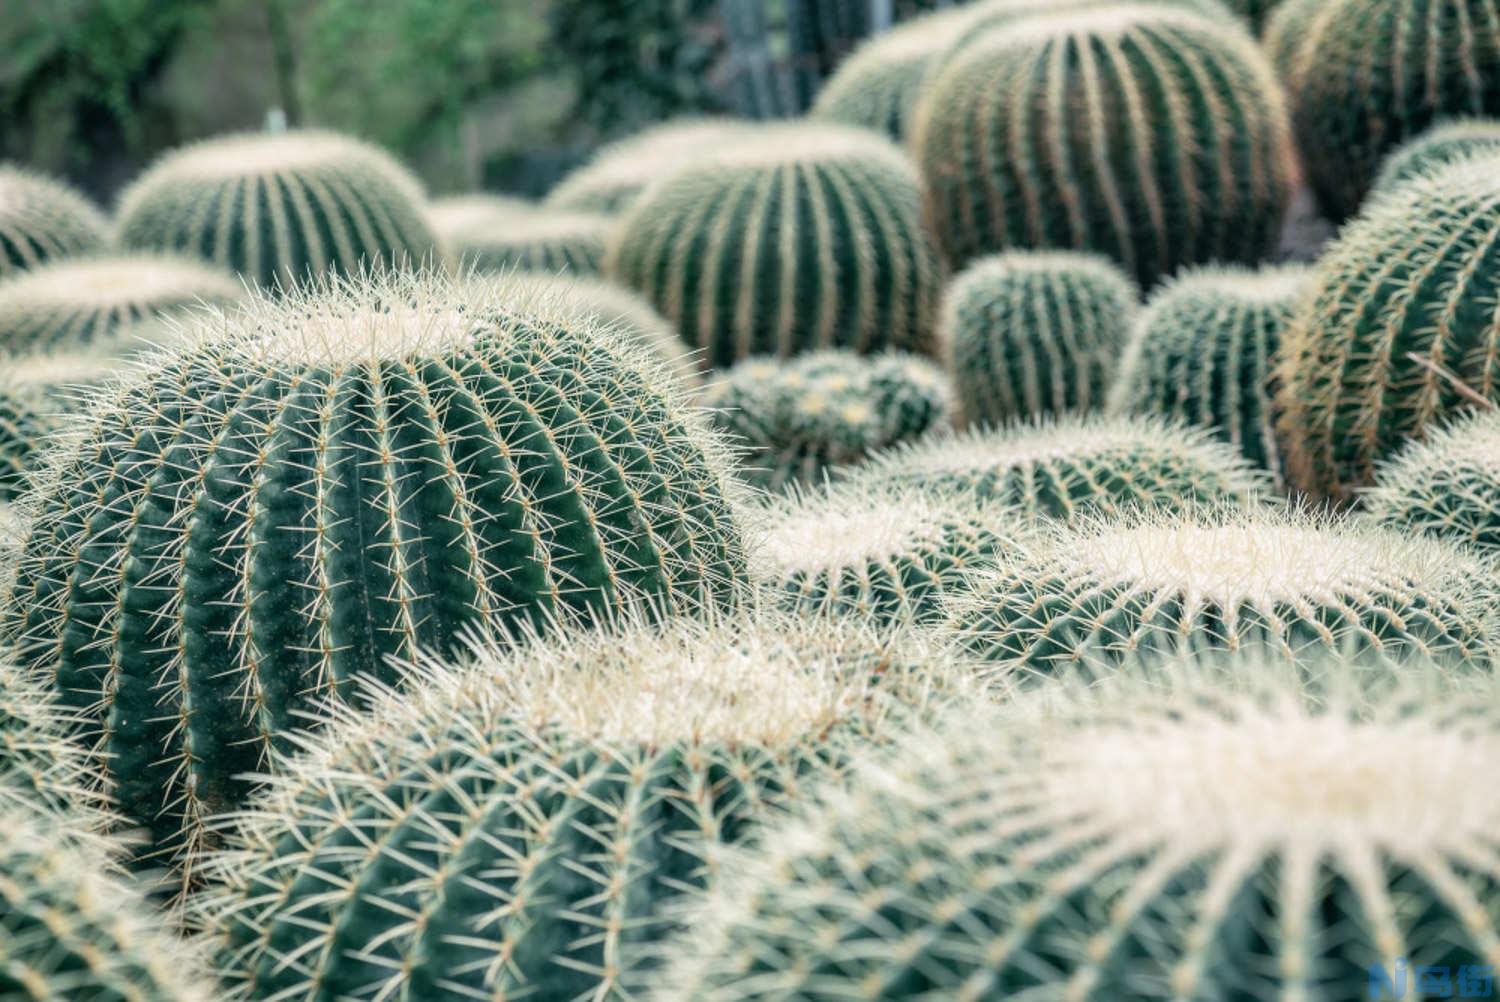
(1064, 468)
(87, 301)
(1222, 580)
(42, 220)
(280, 209)
(1438, 146)
(331, 479)
(1031, 333)
(1446, 486)
(450, 214)
(1202, 353)
(548, 242)
(800, 418)
(37, 394)
(1363, 76)
(1143, 132)
(788, 239)
(617, 175)
(518, 827)
(1397, 330)
(42, 770)
(1225, 832)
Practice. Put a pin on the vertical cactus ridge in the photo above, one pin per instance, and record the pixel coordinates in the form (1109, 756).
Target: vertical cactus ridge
(618, 173)
(280, 209)
(1229, 830)
(1363, 76)
(1397, 331)
(38, 392)
(1072, 466)
(323, 481)
(1202, 352)
(546, 242)
(517, 826)
(1143, 132)
(1222, 579)
(1031, 333)
(788, 239)
(42, 220)
(1439, 145)
(798, 419)
(1447, 485)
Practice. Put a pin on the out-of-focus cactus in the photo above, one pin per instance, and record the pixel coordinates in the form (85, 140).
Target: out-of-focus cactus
(539, 241)
(37, 394)
(1447, 485)
(615, 178)
(42, 220)
(1440, 145)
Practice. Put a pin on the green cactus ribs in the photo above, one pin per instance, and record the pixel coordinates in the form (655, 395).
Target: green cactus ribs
(1440, 145)
(547, 242)
(615, 178)
(42, 220)
(325, 480)
(1447, 485)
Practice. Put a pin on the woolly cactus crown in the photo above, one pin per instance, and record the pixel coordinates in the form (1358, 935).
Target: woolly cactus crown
(540, 241)
(42, 219)
(1442, 144)
(1447, 485)
(617, 175)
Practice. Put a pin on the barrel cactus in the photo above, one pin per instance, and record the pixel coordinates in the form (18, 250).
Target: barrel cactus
(1363, 76)
(796, 420)
(85, 301)
(330, 479)
(1029, 333)
(37, 393)
(538, 241)
(1439, 145)
(1397, 331)
(1226, 832)
(518, 827)
(1203, 349)
(1140, 131)
(280, 208)
(1447, 485)
(788, 239)
(42, 770)
(1072, 466)
(42, 220)
(450, 214)
(617, 175)
(1212, 580)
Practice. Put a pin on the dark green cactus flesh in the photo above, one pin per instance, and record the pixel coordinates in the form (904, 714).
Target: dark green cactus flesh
(545, 242)
(328, 480)
(42, 220)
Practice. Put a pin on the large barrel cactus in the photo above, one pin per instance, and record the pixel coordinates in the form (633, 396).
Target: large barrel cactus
(328, 480)
(280, 208)
(41, 220)
(615, 178)
(1219, 832)
(1438, 146)
(1398, 329)
(519, 827)
(1447, 485)
(787, 239)
(38, 394)
(1030, 333)
(1363, 76)
(549, 242)
(1140, 131)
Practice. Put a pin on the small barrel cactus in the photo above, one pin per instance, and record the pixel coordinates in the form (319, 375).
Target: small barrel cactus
(1071, 466)
(518, 827)
(1221, 580)
(1440, 145)
(1447, 485)
(88, 301)
(1226, 832)
(617, 175)
(1140, 131)
(549, 242)
(1202, 352)
(788, 239)
(280, 209)
(450, 214)
(1363, 76)
(37, 393)
(1397, 331)
(798, 419)
(325, 480)
(42, 220)
(1029, 333)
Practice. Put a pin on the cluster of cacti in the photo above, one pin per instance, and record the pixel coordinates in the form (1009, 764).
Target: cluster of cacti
(281, 209)
(1072, 466)
(1224, 579)
(1440, 145)
(38, 392)
(617, 175)
(547, 242)
(1030, 333)
(1363, 76)
(42, 220)
(1144, 132)
(1447, 485)
(521, 826)
(336, 477)
(795, 421)
(1203, 349)
(1226, 831)
(1398, 329)
(786, 239)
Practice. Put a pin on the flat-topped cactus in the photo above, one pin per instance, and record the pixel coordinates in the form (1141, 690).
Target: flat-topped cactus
(281, 209)
(618, 173)
(449, 214)
(1222, 580)
(518, 827)
(1227, 832)
(77, 302)
(798, 419)
(1439, 145)
(1070, 466)
(327, 479)
(43, 220)
(1029, 333)
(1140, 131)
(540, 241)
(37, 392)
(1447, 485)
(1203, 350)
(1397, 331)
(786, 239)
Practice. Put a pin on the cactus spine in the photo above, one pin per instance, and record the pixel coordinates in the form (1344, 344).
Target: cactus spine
(37, 393)
(1439, 145)
(617, 175)
(42, 220)
(546, 242)
(1447, 485)
(450, 214)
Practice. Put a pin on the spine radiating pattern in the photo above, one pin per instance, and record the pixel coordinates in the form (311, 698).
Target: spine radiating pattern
(1447, 485)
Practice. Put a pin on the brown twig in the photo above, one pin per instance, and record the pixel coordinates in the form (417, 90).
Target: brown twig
(1463, 388)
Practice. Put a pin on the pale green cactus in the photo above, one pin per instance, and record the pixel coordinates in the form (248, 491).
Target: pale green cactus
(38, 393)
(537, 241)
(449, 214)
(615, 178)
(1442, 144)
(43, 220)
(1447, 485)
